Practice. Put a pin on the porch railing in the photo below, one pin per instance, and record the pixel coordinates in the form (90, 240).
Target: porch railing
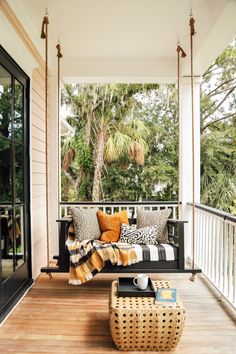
(216, 249)
(114, 207)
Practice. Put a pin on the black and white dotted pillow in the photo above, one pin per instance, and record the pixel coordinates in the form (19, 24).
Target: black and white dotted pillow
(85, 223)
(143, 236)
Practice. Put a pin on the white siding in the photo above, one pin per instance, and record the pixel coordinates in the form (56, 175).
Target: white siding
(38, 177)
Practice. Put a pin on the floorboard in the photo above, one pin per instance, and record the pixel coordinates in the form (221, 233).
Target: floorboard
(55, 317)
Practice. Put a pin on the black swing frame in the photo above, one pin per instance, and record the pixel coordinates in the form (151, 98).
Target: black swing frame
(175, 235)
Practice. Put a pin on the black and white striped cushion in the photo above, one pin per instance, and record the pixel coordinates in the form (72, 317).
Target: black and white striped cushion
(160, 252)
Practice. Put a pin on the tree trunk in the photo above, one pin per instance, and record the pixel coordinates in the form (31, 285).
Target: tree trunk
(81, 174)
(88, 128)
(79, 179)
(65, 192)
(99, 162)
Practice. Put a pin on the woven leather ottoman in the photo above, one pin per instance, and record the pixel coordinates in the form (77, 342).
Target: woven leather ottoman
(138, 324)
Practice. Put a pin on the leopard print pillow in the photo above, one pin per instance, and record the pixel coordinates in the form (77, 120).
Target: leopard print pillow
(85, 223)
(143, 236)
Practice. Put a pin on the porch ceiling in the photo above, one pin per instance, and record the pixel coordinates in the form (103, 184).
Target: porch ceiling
(128, 40)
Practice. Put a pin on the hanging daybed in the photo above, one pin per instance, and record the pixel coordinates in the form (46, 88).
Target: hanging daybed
(162, 258)
(169, 256)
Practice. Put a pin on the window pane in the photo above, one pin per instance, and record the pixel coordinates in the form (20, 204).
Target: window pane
(5, 103)
(6, 241)
(19, 172)
(19, 237)
(5, 171)
(18, 111)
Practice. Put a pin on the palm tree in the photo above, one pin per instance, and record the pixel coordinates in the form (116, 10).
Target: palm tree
(116, 141)
(106, 131)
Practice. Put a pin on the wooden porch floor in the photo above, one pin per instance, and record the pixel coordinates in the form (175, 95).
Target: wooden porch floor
(57, 318)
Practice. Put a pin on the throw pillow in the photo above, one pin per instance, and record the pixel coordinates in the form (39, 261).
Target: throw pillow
(154, 217)
(143, 236)
(85, 223)
(110, 225)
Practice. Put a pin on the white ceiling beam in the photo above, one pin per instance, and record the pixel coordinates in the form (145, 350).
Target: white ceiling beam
(149, 70)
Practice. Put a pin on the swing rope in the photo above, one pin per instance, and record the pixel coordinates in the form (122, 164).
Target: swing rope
(44, 35)
(59, 56)
(180, 53)
(192, 33)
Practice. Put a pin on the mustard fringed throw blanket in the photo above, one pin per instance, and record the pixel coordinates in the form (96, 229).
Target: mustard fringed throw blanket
(88, 257)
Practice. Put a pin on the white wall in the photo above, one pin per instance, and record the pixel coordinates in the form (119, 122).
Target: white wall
(38, 163)
(13, 42)
(54, 196)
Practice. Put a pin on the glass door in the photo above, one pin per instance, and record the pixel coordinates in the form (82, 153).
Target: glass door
(15, 270)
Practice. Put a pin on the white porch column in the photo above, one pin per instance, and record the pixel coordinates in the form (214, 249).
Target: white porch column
(185, 153)
(53, 166)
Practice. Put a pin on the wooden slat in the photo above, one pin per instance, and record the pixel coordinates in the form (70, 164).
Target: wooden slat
(211, 246)
(230, 263)
(38, 190)
(38, 167)
(221, 255)
(38, 230)
(39, 74)
(174, 212)
(57, 318)
(38, 178)
(39, 201)
(199, 244)
(226, 256)
(208, 223)
(38, 98)
(38, 133)
(38, 83)
(38, 144)
(39, 213)
(217, 262)
(38, 122)
(234, 256)
(205, 249)
(39, 110)
(196, 236)
(213, 250)
(38, 156)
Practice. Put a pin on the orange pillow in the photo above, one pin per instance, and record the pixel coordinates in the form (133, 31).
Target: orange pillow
(110, 225)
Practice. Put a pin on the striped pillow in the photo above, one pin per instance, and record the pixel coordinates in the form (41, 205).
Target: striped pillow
(143, 236)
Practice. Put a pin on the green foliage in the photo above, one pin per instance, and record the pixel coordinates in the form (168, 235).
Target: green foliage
(11, 128)
(218, 132)
(139, 126)
(218, 168)
(83, 156)
(138, 123)
(5, 110)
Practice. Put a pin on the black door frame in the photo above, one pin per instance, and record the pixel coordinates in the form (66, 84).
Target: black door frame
(15, 286)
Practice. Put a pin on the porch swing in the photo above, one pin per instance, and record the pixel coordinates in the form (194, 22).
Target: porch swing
(175, 227)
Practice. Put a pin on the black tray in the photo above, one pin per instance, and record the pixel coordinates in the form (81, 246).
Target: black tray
(127, 288)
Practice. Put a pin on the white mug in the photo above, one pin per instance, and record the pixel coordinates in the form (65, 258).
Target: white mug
(141, 281)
